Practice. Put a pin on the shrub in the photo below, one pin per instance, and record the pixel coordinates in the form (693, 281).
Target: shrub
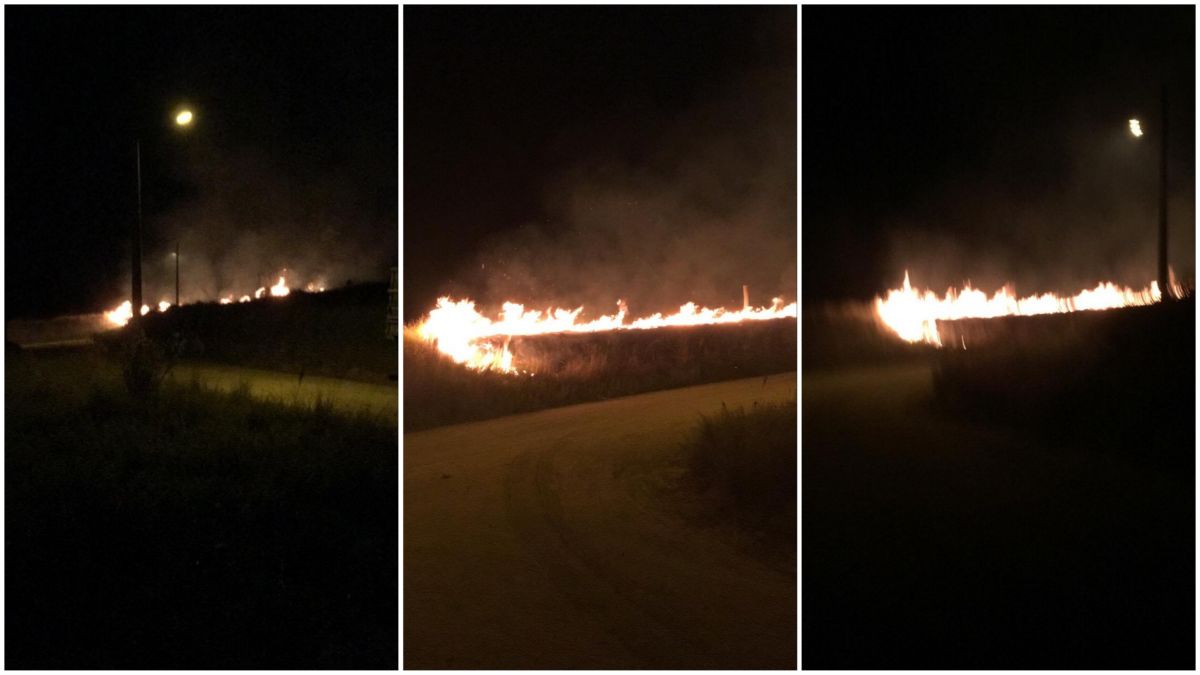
(748, 458)
(144, 365)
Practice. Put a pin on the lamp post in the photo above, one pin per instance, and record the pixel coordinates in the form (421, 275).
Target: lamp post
(1163, 285)
(1135, 128)
(135, 298)
(183, 119)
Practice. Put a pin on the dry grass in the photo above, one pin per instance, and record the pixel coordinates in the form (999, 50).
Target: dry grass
(591, 367)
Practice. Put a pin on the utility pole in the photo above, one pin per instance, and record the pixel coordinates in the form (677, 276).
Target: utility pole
(136, 294)
(1163, 287)
(176, 273)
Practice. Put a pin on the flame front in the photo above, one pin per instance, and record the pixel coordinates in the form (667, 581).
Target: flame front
(460, 332)
(280, 289)
(122, 313)
(913, 314)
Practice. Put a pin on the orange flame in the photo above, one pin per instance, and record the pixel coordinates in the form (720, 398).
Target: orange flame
(467, 337)
(122, 313)
(913, 314)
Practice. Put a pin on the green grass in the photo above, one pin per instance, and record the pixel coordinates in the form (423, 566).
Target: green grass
(195, 529)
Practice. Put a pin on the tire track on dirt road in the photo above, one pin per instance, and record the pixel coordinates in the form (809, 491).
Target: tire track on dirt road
(537, 541)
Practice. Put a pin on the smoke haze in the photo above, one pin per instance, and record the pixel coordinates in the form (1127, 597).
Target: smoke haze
(1092, 216)
(249, 219)
(705, 204)
(991, 144)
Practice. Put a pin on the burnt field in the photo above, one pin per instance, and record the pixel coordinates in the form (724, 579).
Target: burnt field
(575, 368)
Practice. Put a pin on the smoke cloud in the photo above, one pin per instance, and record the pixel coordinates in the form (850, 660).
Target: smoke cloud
(250, 219)
(1089, 215)
(704, 203)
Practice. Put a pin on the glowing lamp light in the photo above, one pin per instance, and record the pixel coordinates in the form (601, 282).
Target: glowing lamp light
(1135, 127)
(183, 118)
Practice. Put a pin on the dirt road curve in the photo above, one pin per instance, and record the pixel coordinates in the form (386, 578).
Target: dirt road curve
(543, 541)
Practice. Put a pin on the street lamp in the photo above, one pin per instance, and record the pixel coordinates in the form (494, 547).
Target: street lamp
(183, 119)
(1135, 128)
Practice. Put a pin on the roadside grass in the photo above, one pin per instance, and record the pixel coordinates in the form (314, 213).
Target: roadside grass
(343, 395)
(744, 462)
(339, 333)
(194, 528)
(573, 369)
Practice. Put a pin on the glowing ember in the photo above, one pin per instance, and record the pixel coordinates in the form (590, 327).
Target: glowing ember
(913, 314)
(467, 337)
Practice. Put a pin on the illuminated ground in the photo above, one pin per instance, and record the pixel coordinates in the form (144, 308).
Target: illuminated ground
(343, 395)
(550, 540)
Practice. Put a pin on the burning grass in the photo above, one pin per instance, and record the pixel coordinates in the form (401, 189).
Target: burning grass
(576, 368)
(193, 529)
(468, 337)
(913, 315)
(339, 333)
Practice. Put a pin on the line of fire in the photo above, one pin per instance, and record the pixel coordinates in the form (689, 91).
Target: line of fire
(201, 323)
(998, 348)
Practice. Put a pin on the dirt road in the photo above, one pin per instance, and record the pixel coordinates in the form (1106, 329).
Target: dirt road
(545, 541)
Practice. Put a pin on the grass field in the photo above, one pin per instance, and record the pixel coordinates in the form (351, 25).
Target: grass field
(591, 367)
(339, 333)
(203, 527)
(744, 461)
(351, 396)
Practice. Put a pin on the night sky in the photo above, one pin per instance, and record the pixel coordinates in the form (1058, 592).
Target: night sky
(306, 96)
(991, 144)
(520, 121)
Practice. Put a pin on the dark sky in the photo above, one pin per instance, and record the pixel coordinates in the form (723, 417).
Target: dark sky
(291, 103)
(991, 144)
(571, 154)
